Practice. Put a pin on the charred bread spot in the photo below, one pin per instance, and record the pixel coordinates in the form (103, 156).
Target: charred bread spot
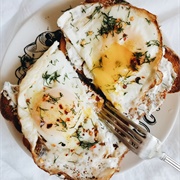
(64, 175)
(62, 44)
(26, 143)
(89, 83)
(41, 147)
(175, 60)
(8, 111)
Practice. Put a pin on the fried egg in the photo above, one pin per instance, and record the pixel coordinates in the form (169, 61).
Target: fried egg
(120, 49)
(58, 115)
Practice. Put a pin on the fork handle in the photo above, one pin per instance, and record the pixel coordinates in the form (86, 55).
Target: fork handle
(170, 161)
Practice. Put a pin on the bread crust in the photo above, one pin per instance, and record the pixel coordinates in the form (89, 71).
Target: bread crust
(8, 111)
(172, 57)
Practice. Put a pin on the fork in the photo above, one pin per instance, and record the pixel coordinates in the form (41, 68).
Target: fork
(136, 138)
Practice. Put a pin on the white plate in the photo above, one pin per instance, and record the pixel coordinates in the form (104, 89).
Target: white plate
(45, 20)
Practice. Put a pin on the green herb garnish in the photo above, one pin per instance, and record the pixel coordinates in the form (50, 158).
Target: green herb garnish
(49, 98)
(87, 145)
(148, 21)
(153, 43)
(97, 10)
(42, 122)
(63, 123)
(55, 159)
(138, 55)
(84, 144)
(140, 58)
(54, 62)
(110, 25)
(72, 18)
(148, 58)
(98, 65)
(49, 78)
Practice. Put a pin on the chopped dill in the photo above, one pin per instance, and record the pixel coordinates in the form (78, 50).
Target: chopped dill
(54, 62)
(153, 43)
(63, 124)
(49, 98)
(148, 21)
(84, 144)
(49, 78)
(99, 64)
(110, 25)
(97, 10)
(55, 159)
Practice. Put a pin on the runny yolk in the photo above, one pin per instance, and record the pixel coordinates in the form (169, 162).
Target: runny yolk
(113, 64)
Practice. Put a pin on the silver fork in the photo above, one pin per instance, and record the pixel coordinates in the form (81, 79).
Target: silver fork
(137, 139)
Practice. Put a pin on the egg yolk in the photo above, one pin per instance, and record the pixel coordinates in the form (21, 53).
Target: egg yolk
(53, 110)
(113, 64)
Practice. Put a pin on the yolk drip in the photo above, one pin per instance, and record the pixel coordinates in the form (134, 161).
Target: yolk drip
(113, 64)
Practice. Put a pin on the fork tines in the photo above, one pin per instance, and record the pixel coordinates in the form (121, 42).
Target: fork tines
(127, 131)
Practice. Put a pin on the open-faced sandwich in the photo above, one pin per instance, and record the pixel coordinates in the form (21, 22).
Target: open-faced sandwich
(109, 51)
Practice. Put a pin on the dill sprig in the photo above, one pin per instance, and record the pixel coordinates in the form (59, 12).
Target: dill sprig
(97, 10)
(51, 99)
(153, 43)
(49, 78)
(84, 144)
(140, 58)
(110, 25)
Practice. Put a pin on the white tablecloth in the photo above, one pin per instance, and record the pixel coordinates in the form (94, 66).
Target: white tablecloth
(15, 164)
